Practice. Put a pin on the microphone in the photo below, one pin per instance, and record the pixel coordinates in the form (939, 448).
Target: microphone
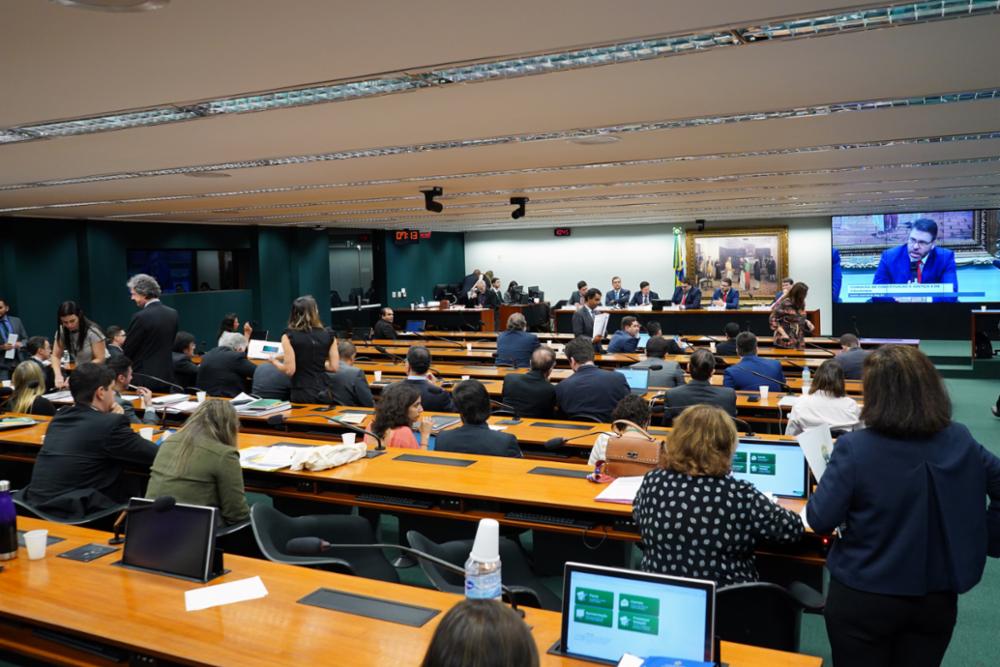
(784, 386)
(504, 406)
(380, 445)
(394, 357)
(160, 380)
(442, 338)
(161, 504)
(744, 425)
(820, 347)
(556, 443)
(315, 546)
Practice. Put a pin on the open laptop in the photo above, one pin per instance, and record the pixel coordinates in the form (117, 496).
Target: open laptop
(637, 378)
(643, 339)
(416, 326)
(609, 611)
(179, 541)
(773, 467)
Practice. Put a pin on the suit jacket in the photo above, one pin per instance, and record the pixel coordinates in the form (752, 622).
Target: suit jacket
(383, 331)
(583, 323)
(185, 370)
(515, 347)
(269, 382)
(114, 351)
(530, 394)
(50, 376)
(575, 298)
(591, 391)
(698, 392)
(224, 372)
(493, 298)
(615, 297)
(349, 387)
(916, 521)
(671, 375)
(732, 298)
(939, 267)
(693, 297)
(79, 466)
(739, 377)
(852, 361)
(477, 439)
(638, 296)
(622, 342)
(726, 348)
(150, 341)
(468, 281)
(433, 397)
(17, 327)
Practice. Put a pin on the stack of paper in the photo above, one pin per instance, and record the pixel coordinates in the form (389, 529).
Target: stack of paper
(59, 396)
(351, 417)
(622, 490)
(267, 458)
(169, 399)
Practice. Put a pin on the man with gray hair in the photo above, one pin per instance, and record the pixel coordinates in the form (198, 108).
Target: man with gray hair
(348, 385)
(224, 371)
(514, 346)
(150, 338)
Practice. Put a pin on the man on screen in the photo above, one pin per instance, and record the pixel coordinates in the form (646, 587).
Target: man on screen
(919, 260)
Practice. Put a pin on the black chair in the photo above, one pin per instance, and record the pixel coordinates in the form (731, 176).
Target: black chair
(93, 517)
(527, 588)
(273, 530)
(586, 418)
(743, 426)
(764, 614)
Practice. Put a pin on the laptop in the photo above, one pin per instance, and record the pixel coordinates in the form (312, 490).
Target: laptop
(178, 542)
(609, 611)
(643, 339)
(416, 326)
(637, 378)
(773, 467)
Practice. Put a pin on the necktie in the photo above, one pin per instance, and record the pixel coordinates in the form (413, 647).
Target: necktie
(4, 330)
(645, 299)
(920, 271)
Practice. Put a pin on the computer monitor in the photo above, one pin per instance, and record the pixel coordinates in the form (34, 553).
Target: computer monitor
(416, 326)
(535, 293)
(179, 541)
(773, 467)
(638, 379)
(608, 612)
(660, 304)
(440, 290)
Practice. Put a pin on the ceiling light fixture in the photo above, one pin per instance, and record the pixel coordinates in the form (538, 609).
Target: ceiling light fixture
(429, 203)
(519, 202)
(114, 5)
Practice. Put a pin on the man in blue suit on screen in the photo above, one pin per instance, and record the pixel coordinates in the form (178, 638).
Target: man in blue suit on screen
(726, 296)
(919, 260)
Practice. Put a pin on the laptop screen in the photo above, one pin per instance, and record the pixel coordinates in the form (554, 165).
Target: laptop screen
(608, 612)
(772, 467)
(178, 541)
(415, 326)
(638, 379)
(643, 337)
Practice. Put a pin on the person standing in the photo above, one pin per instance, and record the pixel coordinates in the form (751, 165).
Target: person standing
(149, 341)
(309, 352)
(78, 336)
(788, 319)
(9, 325)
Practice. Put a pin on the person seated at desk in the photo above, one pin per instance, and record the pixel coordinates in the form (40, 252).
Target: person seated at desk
(269, 382)
(383, 329)
(786, 287)
(418, 375)
(531, 394)
(200, 463)
(475, 436)
(625, 339)
(397, 411)
(746, 375)
(851, 357)
(348, 385)
(645, 296)
(185, 370)
(616, 296)
(225, 370)
(481, 633)
(39, 352)
(231, 324)
(727, 348)
(669, 373)
(687, 296)
(827, 402)
(653, 328)
(700, 389)
(114, 338)
(578, 297)
(583, 318)
(911, 489)
(122, 368)
(633, 408)
(494, 296)
(515, 345)
(29, 385)
(726, 296)
(710, 525)
(513, 293)
(79, 467)
(590, 391)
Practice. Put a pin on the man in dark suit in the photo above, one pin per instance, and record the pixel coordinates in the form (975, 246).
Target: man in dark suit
(918, 260)
(225, 370)
(590, 391)
(39, 351)
(699, 390)
(269, 382)
(418, 366)
(617, 296)
(494, 295)
(10, 325)
(348, 384)
(470, 280)
(669, 373)
(625, 339)
(851, 357)
(726, 296)
(121, 366)
(727, 348)
(150, 338)
(687, 296)
(515, 345)
(531, 394)
(583, 318)
(185, 370)
(746, 375)
(475, 436)
(645, 296)
(383, 329)
(580, 295)
(79, 468)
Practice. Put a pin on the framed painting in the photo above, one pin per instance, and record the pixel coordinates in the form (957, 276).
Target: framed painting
(754, 259)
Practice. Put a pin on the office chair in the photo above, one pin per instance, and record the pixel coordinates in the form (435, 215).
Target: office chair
(273, 530)
(94, 517)
(586, 418)
(528, 589)
(764, 614)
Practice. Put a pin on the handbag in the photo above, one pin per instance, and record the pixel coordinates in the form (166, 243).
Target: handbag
(631, 453)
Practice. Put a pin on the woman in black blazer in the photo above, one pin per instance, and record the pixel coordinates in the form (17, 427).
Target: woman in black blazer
(910, 489)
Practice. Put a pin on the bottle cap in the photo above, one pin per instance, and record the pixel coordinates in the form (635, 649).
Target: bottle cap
(4, 485)
(486, 548)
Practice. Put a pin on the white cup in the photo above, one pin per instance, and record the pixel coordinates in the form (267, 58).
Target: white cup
(536, 299)
(348, 438)
(468, 347)
(202, 395)
(711, 346)
(7, 384)
(980, 308)
(35, 542)
(763, 391)
(378, 376)
(147, 433)
(465, 377)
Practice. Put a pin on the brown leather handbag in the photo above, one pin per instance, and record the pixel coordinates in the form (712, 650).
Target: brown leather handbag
(633, 453)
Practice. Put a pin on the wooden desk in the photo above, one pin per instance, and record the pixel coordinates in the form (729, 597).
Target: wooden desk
(471, 319)
(142, 615)
(711, 322)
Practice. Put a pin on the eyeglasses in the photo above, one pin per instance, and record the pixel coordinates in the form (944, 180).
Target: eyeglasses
(919, 243)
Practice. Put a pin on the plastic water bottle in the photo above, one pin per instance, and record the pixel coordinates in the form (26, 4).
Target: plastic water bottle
(423, 302)
(806, 380)
(482, 570)
(8, 524)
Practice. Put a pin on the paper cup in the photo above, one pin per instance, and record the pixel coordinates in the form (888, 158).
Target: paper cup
(378, 376)
(465, 377)
(711, 346)
(202, 395)
(35, 542)
(348, 438)
(147, 433)
(763, 392)
(468, 347)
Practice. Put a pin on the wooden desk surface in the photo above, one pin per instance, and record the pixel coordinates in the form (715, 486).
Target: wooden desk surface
(145, 613)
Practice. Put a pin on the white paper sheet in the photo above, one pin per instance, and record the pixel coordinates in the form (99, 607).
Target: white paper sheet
(600, 324)
(622, 490)
(817, 445)
(11, 340)
(352, 417)
(788, 401)
(220, 594)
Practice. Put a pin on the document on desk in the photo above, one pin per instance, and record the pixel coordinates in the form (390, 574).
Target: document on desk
(267, 459)
(351, 417)
(12, 341)
(600, 324)
(788, 400)
(220, 594)
(622, 491)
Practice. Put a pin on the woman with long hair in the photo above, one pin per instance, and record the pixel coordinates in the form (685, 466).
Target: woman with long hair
(200, 463)
(827, 402)
(788, 319)
(231, 324)
(396, 412)
(308, 353)
(77, 335)
(29, 385)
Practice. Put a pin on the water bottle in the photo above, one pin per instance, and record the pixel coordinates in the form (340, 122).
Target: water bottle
(423, 302)
(482, 569)
(806, 380)
(8, 524)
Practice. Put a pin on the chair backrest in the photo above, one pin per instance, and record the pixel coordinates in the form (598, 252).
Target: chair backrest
(586, 418)
(107, 514)
(270, 529)
(442, 580)
(758, 613)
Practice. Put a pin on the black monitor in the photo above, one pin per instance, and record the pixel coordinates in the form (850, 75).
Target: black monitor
(660, 304)
(441, 290)
(179, 541)
(535, 293)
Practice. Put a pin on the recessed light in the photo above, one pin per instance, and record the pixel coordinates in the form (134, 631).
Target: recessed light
(595, 139)
(207, 174)
(115, 5)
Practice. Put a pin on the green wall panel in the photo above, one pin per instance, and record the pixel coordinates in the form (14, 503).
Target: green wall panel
(421, 266)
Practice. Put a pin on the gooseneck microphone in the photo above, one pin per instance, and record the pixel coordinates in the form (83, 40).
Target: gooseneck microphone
(784, 386)
(173, 385)
(394, 357)
(160, 504)
(380, 445)
(556, 443)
